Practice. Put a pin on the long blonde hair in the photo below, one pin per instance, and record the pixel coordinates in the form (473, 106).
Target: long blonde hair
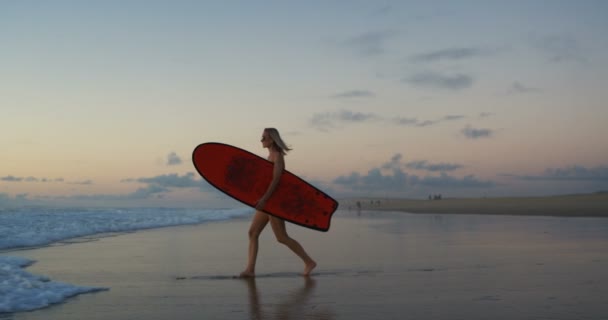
(277, 142)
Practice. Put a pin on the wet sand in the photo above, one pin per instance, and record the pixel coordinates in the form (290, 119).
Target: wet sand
(585, 205)
(372, 265)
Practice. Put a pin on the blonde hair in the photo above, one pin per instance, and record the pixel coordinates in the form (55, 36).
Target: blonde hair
(277, 142)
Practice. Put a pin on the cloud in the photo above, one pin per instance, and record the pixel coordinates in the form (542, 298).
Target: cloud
(390, 177)
(518, 88)
(174, 180)
(571, 173)
(354, 94)
(449, 54)
(473, 133)
(11, 178)
(412, 122)
(83, 182)
(173, 159)
(446, 181)
(453, 117)
(326, 121)
(370, 43)
(395, 163)
(397, 181)
(485, 114)
(156, 187)
(331, 120)
(152, 191)
(17, 200)
(374, 180)
(433, 167)
(436, 80)
(350, 116)
(559, 48)
(322, 121)
(148, 192)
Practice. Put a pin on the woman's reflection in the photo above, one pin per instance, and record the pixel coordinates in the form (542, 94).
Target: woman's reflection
(294, 305)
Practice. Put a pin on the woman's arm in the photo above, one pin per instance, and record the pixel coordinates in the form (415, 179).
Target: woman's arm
(277, 171)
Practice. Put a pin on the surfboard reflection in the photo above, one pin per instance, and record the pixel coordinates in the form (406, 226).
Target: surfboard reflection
(293, 305)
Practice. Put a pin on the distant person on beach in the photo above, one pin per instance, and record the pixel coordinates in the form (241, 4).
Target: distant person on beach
(277, 149)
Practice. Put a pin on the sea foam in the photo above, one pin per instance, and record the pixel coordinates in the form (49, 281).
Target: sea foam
(28, 227)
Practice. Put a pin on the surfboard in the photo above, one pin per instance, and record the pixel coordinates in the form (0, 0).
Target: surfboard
(246, 176)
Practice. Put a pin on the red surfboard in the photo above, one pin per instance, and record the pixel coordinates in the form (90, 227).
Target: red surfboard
(245, 177)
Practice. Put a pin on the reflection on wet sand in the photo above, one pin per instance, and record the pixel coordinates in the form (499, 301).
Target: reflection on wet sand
(293, 305)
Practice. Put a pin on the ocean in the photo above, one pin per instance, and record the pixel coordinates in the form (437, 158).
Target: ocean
(24, 228)
(441, 266)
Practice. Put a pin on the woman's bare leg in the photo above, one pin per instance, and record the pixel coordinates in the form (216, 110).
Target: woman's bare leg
(278, 227)
(260, 219)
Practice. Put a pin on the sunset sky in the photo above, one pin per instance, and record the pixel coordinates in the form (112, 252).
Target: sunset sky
(102, 102)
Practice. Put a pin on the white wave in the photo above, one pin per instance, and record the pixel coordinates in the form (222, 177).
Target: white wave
(23, 291)
(36, 226)
(25, 227)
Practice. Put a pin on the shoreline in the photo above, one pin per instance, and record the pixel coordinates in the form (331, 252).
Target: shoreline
(372, 265)
(182, 262)
(584, 205)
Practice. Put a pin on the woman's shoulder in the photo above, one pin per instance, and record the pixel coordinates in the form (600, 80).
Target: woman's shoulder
(275, 156)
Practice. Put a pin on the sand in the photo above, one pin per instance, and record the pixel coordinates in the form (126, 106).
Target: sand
(372, 265)
(586, 205)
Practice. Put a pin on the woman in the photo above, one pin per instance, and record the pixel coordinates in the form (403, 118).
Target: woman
(277, 149)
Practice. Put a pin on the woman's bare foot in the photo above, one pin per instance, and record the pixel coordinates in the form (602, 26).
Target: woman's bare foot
(308, 268)
(247, 274)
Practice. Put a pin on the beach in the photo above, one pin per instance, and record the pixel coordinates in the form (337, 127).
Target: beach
(371, 265)
(582, 205)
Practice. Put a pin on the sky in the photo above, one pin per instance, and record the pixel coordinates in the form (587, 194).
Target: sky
(103, 102)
